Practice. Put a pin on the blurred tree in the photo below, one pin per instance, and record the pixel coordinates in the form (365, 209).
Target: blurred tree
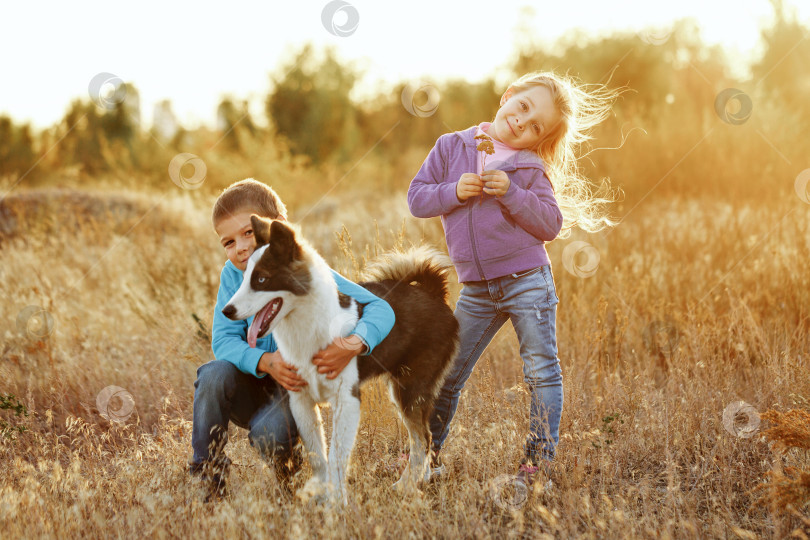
(234, 122)
(620, 59)
(121, 125)
(782, 70)
(655, 69)
(461, 105)
(80, 138)
(17, 154)
(310, 106)
(466, 104)
(99, 139)
(164, 122)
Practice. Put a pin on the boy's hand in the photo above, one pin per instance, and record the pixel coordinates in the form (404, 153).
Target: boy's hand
(495, 182)
(468, 186)
(337, 355)
(285, 374)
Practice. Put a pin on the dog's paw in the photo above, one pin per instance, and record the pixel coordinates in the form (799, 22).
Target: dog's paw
(322, 493)
(314, 490)
(406, 485)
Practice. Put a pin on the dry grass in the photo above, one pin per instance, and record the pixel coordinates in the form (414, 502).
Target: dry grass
(696, 304)
(788, 490)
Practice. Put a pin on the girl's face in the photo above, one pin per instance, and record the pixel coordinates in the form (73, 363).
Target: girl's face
(524, 117)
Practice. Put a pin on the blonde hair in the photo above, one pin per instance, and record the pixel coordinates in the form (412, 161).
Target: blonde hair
(248, 195)
(581, 107)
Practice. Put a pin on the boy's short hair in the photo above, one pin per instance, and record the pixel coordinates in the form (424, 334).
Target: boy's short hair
(248, 195)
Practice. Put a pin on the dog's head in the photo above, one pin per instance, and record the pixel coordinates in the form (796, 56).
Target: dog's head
(276, 273)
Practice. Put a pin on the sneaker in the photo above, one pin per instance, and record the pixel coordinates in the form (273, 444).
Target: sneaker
(436, 471)
(530, 474)
(214, 476)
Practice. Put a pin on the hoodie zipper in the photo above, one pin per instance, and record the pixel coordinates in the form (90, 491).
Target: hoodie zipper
(472, 241)
(515, 166)
(470, 207)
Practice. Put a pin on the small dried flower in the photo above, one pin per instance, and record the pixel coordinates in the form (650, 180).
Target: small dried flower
(486, 147)
(486, 144)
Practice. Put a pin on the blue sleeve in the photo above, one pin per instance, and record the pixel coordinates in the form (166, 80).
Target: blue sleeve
(229, 338)
(378, 317)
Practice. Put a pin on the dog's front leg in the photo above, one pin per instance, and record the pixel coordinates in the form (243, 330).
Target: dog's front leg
(344, 431)
(310, 427)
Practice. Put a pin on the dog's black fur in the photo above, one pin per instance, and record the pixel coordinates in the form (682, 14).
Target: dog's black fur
(419, 349)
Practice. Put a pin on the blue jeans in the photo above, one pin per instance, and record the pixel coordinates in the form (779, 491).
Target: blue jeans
(529, 300)
(224, 394)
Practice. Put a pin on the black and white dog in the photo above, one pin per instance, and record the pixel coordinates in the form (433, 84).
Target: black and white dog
(290, 289)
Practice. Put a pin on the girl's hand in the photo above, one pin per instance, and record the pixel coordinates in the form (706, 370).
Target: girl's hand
(337, 355)
(283, 373)
(469, 185)
(495, 182)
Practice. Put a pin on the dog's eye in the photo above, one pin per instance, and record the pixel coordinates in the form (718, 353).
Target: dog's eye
(261, 279)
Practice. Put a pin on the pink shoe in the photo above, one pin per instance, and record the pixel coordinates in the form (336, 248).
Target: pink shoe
(529, 474)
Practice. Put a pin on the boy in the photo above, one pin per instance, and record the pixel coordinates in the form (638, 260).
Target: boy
(235, 386)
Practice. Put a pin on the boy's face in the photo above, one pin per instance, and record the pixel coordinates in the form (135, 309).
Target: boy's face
(236, 236)
(524, 118)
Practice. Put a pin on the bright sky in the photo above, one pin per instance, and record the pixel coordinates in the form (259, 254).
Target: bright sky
(193, 53)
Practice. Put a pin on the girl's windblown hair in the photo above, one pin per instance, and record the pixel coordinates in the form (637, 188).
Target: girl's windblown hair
(581, 107)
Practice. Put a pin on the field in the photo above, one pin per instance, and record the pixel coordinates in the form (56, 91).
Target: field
(683, 331)
(695, 305)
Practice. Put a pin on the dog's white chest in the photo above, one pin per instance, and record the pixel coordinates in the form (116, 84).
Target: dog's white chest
(320, 389)
(324, 390)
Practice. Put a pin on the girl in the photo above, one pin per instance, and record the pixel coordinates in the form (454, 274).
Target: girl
(498, 209)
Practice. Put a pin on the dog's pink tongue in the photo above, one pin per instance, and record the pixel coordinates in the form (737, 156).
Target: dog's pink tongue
(258, 322)
(253, 331)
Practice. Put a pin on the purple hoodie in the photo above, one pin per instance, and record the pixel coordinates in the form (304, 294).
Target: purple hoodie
(494, 236)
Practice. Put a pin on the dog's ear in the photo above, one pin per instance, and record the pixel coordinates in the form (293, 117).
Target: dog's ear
(261, 229)
(283, 247)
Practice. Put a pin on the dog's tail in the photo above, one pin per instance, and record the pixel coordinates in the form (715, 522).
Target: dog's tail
(422, 265)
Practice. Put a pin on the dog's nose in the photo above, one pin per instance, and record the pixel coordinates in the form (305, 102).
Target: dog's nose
(229, 311)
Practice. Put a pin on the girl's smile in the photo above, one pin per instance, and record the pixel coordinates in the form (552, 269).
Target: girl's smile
(525, 118)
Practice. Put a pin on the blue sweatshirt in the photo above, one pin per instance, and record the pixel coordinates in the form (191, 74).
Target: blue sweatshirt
(229, 339)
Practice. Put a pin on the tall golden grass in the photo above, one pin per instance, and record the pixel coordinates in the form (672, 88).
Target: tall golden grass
(697, 302)
(694, 321)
